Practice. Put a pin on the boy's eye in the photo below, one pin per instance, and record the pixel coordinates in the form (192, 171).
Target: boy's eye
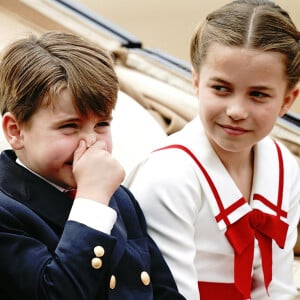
(103, 124)
(69, 128)
(69, 125)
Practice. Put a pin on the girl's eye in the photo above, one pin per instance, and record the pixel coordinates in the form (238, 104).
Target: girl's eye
(220, 88)
(257, 94)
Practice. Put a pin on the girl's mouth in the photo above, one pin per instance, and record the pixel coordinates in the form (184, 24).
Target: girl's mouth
(232, 130)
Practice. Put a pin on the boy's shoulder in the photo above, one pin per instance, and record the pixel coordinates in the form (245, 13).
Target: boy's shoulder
(123, 194)
(124, 202)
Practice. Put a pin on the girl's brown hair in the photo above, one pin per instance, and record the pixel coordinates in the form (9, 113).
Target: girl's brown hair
(250, 24)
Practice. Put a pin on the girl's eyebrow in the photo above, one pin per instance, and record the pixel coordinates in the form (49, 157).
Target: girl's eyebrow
(262, 88)
(255, 87)
(219, 80)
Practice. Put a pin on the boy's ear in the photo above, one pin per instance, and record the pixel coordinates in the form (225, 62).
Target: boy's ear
(195, 81)
(288, 101)
(12, 131)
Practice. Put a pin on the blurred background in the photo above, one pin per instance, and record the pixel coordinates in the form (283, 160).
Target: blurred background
(148, 88)
(163, 25)
(166, 24)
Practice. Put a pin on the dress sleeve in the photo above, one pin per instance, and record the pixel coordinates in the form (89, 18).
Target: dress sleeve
(167, 189)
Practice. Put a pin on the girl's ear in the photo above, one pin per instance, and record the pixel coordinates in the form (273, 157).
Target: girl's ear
(12, 131)
(288, 101)
(195, 80)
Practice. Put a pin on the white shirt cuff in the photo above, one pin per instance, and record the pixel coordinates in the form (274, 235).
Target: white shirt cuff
(93, 214)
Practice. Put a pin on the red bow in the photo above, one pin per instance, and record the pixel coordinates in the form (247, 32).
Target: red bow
(264, 227)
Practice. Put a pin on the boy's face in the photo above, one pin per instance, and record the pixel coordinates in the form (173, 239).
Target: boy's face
(49, 139)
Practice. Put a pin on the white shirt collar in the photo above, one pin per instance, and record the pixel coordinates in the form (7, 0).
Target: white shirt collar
(55, 185)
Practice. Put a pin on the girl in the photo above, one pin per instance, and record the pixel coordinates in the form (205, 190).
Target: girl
(220, 197)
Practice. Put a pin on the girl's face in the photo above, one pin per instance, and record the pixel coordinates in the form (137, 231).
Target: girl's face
(48, 141)
(241, 93)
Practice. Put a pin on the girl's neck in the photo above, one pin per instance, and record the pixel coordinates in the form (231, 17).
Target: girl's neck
(240, 166)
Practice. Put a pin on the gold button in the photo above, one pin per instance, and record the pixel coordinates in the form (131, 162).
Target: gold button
(145, 278)
(112, 282)
(96, 263)
(99, 251)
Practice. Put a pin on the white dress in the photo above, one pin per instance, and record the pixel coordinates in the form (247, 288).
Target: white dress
(192, 204)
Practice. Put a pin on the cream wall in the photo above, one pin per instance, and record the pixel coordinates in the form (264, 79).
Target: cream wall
(168, 24)
(160, 24)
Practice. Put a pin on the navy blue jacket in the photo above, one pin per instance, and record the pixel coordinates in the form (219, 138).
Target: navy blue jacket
(45, 256)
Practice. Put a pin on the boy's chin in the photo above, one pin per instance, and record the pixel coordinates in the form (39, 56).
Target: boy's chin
(69, 184)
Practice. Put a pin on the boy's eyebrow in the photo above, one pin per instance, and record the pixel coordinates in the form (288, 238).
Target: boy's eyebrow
(65, 120)
(105, 118)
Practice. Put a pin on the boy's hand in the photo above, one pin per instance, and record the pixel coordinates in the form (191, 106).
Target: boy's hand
(96, 172)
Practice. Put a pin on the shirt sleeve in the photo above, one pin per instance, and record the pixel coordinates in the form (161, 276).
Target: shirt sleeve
(93, 214)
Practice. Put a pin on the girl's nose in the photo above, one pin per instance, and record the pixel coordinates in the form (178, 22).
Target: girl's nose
(237, 110)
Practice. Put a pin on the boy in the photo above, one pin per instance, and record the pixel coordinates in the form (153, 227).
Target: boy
(57, 93)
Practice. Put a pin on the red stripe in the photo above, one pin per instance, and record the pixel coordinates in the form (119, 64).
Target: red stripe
(231, 208)
(276, 208)
(266, 202)
(223, 214)
(281, 179)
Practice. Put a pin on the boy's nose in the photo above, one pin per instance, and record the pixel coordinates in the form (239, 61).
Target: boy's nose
(90, 139)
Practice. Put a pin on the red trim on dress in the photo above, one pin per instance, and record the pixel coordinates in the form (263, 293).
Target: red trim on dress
(241, 234)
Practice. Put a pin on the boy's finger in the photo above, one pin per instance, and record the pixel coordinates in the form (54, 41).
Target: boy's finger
(79, 151)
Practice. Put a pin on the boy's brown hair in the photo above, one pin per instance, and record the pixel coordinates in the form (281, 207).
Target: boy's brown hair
(34, 70)
(250, 24)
